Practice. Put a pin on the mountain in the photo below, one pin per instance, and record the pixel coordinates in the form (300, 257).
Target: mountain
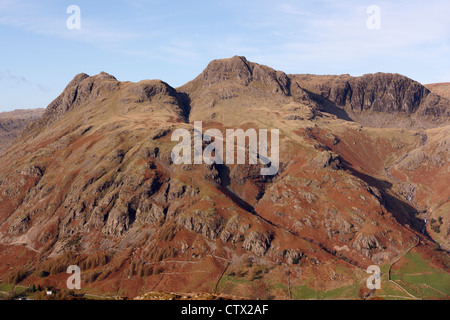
(240, 87)
(442, 89)
(381, 99)
(13, 122)
(92, 183)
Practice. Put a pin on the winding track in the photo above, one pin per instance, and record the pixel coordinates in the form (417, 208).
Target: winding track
(395, 261)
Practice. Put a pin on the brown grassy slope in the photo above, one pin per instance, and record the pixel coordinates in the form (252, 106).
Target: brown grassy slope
(94, 175)
(442, 89)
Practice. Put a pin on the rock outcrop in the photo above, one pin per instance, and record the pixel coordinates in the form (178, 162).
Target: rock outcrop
(258, 243)
(381, 93)
(93, 178)
(327, 159)
(367, 244)
(208, 223)
(240, 70)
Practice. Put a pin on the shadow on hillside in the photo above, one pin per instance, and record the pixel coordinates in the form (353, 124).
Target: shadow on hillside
(328, 106)
(402, 211)
(224, 187)
(185, 102)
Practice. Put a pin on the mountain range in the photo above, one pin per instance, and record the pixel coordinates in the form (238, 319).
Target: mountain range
(363, 180)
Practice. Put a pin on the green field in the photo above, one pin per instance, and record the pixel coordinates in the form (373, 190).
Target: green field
(419, 278)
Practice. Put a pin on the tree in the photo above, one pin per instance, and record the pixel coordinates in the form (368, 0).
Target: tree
(44, 274)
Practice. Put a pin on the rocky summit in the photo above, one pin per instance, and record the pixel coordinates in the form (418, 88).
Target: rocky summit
(362, 180)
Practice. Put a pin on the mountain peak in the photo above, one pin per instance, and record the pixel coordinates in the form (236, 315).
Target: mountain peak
(105, 76)
(77, 92)
(235, 68)
(77, 80)
(240, 71)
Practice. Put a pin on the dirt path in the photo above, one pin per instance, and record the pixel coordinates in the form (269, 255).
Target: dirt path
(395, 261)
(430, 287)
(220, 278)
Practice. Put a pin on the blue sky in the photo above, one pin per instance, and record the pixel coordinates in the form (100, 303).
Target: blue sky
(174, 40)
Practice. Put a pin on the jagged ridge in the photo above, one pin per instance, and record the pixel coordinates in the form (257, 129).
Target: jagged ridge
(379, 93)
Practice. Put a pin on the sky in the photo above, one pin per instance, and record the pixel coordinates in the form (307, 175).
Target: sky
(175, 40)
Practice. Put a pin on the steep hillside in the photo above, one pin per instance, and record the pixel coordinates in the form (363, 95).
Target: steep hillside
(231, 90)
(92, 183)
(378, 100)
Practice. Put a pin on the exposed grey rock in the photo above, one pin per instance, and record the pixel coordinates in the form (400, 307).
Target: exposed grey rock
(292, 256)
(178, 190)
(149, 212)
(257, 243)
(327, 159)
(370, 95)
(367, 244)
(244, 72)
(119, 219)
(208, 224)
(20, 225)
(232, 231)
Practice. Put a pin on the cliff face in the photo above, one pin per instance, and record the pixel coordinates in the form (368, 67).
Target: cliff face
(239, 70)
(382, 94)
(237, 86)
(378, 100)
(94, 177)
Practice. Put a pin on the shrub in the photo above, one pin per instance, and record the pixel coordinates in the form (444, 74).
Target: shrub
(44, 274)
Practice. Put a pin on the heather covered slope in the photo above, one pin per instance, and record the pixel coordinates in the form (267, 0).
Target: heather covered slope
(92, 183)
